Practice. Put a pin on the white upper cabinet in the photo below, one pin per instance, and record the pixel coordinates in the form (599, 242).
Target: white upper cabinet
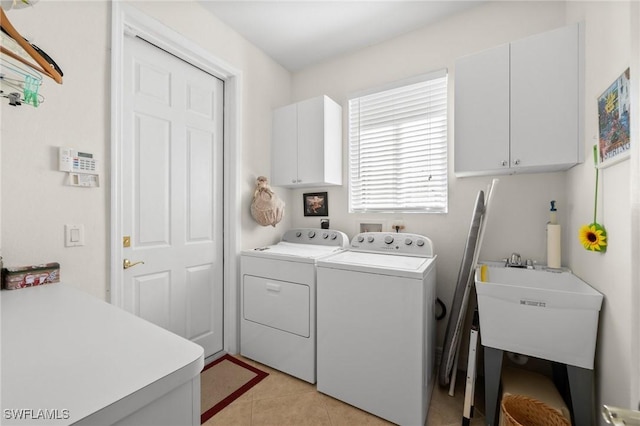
(517, 106)
(284, 146)
(481, 119)
(307, 144)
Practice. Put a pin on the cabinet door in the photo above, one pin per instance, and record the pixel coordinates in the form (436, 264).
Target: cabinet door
(544, 99)
(284, 152)
(311, 134)
(482, 112)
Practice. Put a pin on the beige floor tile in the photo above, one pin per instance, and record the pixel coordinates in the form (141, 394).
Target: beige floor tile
(238, 413)
(279, 384)
(291, 410)
(275, 384)
(342, 414)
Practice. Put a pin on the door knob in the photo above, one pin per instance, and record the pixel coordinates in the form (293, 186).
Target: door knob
(126, 264)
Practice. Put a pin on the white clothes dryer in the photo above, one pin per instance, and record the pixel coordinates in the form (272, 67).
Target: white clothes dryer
(278, 300)
(376, 325)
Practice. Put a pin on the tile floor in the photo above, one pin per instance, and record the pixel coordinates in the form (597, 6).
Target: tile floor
(283, 400)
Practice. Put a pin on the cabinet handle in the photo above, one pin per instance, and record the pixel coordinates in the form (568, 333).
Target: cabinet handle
(504, 163)
(516, 162)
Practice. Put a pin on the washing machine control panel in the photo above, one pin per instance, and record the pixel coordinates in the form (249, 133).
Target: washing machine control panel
(321, 237)
(391, 242)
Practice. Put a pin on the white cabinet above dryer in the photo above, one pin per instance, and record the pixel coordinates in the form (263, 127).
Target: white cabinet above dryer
(306, 144)
(518, 106)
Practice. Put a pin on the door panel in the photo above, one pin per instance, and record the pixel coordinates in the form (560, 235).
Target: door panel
(199, 203)
(152, 298)
(152, 81)
(198, 284)
(151, 181)
(172, 194)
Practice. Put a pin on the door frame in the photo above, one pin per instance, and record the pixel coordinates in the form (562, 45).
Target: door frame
(126, 19)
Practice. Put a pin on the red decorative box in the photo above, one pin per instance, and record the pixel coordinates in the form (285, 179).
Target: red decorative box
(29, 276)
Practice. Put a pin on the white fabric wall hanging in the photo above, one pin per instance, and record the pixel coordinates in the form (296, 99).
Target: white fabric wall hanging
(266, 207)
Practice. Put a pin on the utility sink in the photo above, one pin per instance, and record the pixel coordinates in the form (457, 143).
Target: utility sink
(545, 313)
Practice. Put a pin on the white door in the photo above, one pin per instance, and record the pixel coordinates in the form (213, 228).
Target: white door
(172, 194)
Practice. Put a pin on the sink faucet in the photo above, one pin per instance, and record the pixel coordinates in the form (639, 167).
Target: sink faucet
(515, 261)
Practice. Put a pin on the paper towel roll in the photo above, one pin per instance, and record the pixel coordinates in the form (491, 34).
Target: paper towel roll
(554, 237)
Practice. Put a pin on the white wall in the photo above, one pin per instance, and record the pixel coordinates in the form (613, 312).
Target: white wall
(608, 54)
(36, 204)
(35, 201)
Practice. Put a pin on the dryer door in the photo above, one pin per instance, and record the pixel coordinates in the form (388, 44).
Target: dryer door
(282, 305)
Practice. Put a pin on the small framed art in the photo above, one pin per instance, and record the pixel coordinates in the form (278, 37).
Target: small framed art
(316, 204)
(614, 144)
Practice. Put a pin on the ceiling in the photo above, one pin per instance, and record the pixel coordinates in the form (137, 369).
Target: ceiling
(300, 33)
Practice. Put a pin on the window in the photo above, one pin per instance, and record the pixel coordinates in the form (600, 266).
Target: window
(398, 147)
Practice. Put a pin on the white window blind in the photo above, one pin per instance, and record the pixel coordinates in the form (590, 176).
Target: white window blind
(398, 148)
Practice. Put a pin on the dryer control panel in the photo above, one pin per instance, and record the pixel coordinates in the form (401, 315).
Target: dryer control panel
(393, 243)
(321, 237)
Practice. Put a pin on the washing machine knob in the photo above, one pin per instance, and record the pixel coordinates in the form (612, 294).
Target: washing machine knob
(360, 238)
(325, 235)
(370, 238)
(311, 234)
(388, 239)
(408, 241)
(420, 243)
(298, 234)
(334, 236)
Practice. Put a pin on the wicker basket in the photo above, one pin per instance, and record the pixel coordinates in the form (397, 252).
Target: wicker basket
(521, 410)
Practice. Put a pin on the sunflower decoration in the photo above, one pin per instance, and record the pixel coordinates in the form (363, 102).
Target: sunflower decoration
(593, 236)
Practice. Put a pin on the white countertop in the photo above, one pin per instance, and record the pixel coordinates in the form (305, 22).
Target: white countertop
(92, 362)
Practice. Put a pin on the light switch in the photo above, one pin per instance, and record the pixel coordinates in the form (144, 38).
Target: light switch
(73, 235)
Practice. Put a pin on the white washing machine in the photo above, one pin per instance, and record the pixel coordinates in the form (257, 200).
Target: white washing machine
(376, 325)
(278, 300)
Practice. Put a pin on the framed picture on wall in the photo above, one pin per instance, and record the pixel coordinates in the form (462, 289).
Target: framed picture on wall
(316, 204)
(614, 142)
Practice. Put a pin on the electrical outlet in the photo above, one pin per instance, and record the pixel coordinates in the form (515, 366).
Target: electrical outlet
(370, 227)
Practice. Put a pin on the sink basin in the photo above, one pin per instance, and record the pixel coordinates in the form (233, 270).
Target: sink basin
(544, 313)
